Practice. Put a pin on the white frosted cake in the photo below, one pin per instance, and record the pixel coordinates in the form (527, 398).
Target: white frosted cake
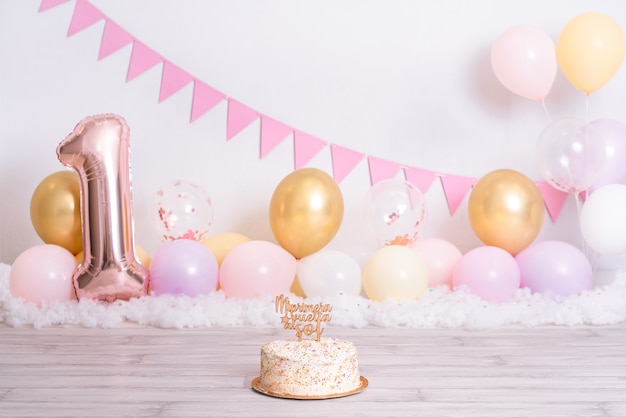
(309, 367)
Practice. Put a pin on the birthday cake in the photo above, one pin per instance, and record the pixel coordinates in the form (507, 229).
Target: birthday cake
(309, 368)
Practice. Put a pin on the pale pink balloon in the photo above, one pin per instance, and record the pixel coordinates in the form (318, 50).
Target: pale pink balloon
(43, 274)
(441, 258)
(488, 272)
(524, 61)
(257, 268)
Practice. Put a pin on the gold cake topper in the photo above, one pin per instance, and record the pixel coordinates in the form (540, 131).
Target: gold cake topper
(304, 318)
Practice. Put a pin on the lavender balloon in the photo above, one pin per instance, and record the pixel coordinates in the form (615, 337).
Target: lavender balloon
(555, 268)
(614, 135)
(183, 267)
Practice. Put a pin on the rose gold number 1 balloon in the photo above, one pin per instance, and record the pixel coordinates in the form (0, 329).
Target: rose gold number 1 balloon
(98, 150)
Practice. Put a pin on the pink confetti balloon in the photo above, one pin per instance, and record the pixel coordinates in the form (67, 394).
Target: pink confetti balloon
(489, 272)
(43, 274)
(98, 150)
(255, 268)
(183, 267)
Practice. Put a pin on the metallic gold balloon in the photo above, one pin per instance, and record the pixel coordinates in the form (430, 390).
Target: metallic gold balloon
(306, 211)
(55, 211)
(506, 210)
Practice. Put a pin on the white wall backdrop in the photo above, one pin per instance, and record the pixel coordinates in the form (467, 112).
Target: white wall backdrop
(404, 80)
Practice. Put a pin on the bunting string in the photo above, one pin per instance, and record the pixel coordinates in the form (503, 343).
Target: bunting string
(272, 131)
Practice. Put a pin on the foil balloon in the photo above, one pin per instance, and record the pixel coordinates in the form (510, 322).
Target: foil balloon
(306, 211)
(98, 150)
(55, 211)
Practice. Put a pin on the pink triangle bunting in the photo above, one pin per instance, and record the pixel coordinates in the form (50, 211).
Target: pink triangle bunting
(305, 147)
(239, 116)
(553, 199)
(382, 169)
(455, 189)
(273, 133)
(422, 179)
(173, 80)
(142, 59)
(49, 4)
(205, 98)
(113, 39)
(344, 160)
(85, 15)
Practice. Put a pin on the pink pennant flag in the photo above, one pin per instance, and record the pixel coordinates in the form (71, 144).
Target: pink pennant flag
(455, 189)
(305, 147)
(382, 169)
(553, 199)
(85, 15)
(49, 4)
(172, 80)
(344, 160)
(113, 38)
(239, 116)
(205, 98)
(273, 133)
(422, 179)
(142, 59)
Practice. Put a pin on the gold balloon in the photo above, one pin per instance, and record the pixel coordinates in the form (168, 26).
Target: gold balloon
(506, 210)
(55, 211)
(296, 289)
(306, 211)
(221, 244)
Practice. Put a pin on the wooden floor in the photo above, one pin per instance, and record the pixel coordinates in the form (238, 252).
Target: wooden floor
(151, 372)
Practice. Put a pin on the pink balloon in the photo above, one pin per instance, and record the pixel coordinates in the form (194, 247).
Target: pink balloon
(43, 274)
(614, 135)
(98, 150)
(441, 258)
(255, 268)
(183, 267)
(554, 267)
(489, 272)
(524, 61)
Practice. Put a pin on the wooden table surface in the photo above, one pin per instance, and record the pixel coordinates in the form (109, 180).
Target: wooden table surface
(207, 372)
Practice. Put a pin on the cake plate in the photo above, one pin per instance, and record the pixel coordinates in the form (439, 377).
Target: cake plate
(257, 386)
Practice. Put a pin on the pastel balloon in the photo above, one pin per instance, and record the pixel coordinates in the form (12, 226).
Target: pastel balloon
(603, 220)
(329, 273)
(613, 134)
(306, 211)
(55, 211)
(488, 272)
(506, 210)
(98, 150)
(222, 244)
(554, 267)
(183, 267)
(395, 272)
(43, 274)
(395, 212)
(590, 50)
(182, 210)
(441, 258)
(524, 61)
(257, 268)
(570, 154)
(296, 289)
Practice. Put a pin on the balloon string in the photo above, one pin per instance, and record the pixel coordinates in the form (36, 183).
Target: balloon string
(545, 109)
(587, 107)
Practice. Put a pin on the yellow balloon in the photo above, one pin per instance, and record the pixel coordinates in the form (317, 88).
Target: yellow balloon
(306, 211)
(590, 50)
(396, 272)
(221, 244)
(296, 289)
(55, 211)
(141, 254)
(506, 210)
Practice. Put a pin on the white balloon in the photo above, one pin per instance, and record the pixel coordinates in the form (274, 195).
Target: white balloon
(603, 220)
(329, 273)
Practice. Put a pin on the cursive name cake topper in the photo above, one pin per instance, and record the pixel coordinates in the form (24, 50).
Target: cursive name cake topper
(304, 318)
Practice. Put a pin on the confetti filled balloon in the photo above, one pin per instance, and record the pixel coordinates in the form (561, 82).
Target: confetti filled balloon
(183, 210)
(395, 212)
